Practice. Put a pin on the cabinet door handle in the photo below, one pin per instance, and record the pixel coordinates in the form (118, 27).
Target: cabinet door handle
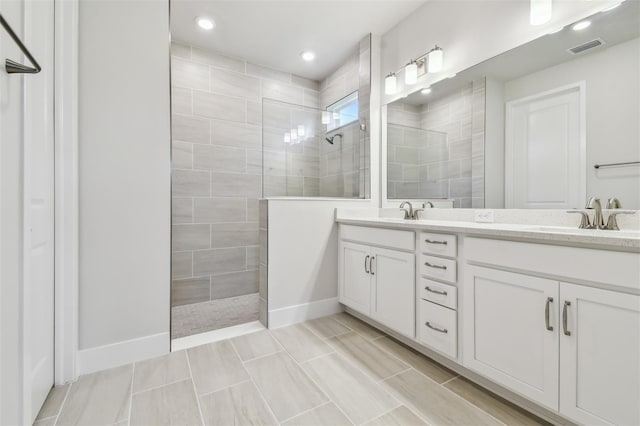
(565, 319)
(444, 267)
(430, 290)
(371, 265)
(365, 264)
(546, 313)
(435, 242)
(439, 330)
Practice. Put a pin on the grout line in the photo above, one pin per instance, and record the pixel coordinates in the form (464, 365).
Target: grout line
(133, 375)
(195, 391)
(260, 356)
(316, 357)
(64, 401)
(451, 379)
(224, 388)
(161, 386)
(394, 375)
(256, 386)
(307, 411)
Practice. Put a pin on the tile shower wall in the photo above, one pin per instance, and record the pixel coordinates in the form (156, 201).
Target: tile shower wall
(217, 169)
(436, 150)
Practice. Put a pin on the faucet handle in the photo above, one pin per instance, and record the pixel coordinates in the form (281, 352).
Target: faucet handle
(416, 214)
(584, 220)
(614, 203)
(612, 222)
(592, 202)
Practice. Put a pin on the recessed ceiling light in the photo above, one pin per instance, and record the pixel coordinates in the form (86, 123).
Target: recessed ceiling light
(308, 55)
(426, 91)
(581, 25)
(205, 23)
(606, 9)
(557, 30)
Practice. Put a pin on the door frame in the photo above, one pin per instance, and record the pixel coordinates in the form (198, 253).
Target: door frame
(66, 211)
(509, 142)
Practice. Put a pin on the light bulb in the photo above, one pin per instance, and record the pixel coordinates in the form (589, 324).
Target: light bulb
(294, 134)
(540, 12)
(205, 23)
(287, 137)
(325, 117)
(300, 130)
(581, 25)
(308, 55)
(390, 84)
(411, 73)
(435, 60)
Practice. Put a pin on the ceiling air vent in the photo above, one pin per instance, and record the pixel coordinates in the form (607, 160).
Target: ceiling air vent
(581, 48)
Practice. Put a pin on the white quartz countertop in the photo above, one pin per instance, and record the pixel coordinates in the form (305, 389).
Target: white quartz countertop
(628, 240)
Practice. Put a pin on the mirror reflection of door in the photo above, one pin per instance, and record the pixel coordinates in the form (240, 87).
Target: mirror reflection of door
(545, 150)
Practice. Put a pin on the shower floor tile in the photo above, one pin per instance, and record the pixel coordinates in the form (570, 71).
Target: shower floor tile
(187, 320)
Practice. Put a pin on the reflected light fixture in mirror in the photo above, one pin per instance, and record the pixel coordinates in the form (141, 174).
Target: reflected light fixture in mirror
(540, 12)
(325, 117)
(390, 85)
(205, 23)
(411, 73)
(435, 59)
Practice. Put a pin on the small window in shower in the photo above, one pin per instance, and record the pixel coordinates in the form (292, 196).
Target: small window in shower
(341, 113)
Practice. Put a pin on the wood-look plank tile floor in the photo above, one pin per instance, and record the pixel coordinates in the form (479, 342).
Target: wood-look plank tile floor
(332, 371)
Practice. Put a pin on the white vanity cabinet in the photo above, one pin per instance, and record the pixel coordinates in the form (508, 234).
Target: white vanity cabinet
(571, 347)
(377, 275)
(600, 356)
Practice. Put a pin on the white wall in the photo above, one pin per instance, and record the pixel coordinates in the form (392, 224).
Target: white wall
(124, 143)
(469, 32)
(612, 107)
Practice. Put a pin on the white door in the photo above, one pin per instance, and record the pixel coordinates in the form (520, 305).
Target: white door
(507, 336)
(394, 287)
(545, 150)
(355, 277)
(600, 356)
(39, 197)
(26, 214)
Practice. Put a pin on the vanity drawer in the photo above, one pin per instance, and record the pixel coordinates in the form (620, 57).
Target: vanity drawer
(439, 244)
(438, 268)
(438, 328)
(403, 240)
(442, 294)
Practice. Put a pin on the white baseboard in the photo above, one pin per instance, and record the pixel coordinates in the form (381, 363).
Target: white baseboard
(121, 353)
(304, 312)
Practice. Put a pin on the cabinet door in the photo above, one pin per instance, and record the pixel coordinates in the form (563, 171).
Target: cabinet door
(355, 280)
(600, 358)
(394, 277)
(506, 335)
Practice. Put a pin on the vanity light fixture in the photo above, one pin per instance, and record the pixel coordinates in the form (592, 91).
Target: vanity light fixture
(426, 90)
(581, 25)
(300, 130)
(205, 23)
(287, 137)
(411, 73)
(390, 84)
(308, 55)
(294, 134)
(540, 11)
(325, 117)
(435, 60)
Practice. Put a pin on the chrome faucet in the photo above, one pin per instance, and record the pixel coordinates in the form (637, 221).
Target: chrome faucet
(408, 214)
(598, 220)
(612, 221)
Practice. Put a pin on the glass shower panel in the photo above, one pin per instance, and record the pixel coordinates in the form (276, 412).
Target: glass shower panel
(302, 159)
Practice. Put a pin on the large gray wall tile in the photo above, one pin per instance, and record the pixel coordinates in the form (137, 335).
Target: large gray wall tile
(190, 290)
(219, 261)
(235, 84)
(190, 237)
(219, 106)
(234, 284)
(219, 210)
(187, 183)
(235, 185)
(219, 158)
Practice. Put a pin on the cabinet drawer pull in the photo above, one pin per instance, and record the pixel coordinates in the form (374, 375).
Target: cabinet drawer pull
(565, 319)
(365, 264)
(435, 242)
(371, 265)
(435, 266)
(439, 330)
(429, 289)
(546, 313)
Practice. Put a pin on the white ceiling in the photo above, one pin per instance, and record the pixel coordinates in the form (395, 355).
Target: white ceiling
(273, 33)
